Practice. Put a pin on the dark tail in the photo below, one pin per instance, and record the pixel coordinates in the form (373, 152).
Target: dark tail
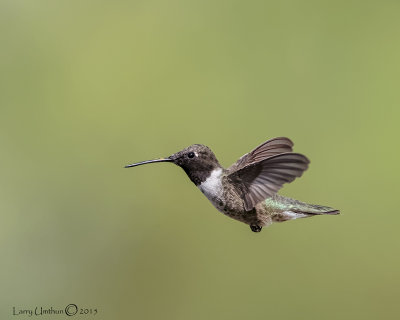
(316, 209)
(294, 209)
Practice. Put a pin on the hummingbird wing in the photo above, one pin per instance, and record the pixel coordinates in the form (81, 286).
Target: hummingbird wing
(260, 180)
(267, 149)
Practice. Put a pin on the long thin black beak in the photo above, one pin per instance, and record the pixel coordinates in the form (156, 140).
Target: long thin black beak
(149, 161)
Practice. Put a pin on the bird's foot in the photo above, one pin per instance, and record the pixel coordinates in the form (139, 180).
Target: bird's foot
(255, 228)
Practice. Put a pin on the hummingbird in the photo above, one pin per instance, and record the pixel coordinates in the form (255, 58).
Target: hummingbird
(247, 190)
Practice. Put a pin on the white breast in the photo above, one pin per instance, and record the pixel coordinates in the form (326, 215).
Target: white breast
(212, 187)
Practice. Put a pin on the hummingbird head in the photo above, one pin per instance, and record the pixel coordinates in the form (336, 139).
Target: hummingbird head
(197, 160)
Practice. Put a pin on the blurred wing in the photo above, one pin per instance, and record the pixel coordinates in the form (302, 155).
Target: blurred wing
(268, 149)
(260, 180)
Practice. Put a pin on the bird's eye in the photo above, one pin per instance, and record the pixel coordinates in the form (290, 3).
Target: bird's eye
(190, 155)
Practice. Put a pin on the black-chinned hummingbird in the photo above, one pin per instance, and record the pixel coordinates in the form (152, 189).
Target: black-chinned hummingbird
(247, 190)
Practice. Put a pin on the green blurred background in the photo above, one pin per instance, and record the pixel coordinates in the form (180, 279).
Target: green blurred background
(89, 86)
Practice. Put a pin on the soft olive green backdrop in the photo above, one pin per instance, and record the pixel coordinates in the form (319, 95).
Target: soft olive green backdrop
(89, 86)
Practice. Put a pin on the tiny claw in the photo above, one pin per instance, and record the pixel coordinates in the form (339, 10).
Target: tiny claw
(255, 228)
